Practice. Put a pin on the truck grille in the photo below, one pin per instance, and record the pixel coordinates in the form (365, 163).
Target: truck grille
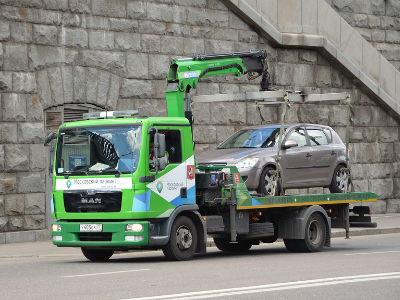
(84, 202)
(95, 236)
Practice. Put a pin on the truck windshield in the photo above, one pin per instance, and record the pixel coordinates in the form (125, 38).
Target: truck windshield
(252, 138)
(105, 150)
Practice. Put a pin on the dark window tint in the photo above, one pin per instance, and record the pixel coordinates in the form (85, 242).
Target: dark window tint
(173, 145)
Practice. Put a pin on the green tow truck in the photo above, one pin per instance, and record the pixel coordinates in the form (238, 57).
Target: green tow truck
(112, 192)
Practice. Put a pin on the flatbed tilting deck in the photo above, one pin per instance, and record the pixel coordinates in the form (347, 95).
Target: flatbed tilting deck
(305, 200)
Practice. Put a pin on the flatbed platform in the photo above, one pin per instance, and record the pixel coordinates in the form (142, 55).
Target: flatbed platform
(305, 200)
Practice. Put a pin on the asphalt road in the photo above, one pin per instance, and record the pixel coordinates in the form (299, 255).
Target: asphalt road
(365, 267)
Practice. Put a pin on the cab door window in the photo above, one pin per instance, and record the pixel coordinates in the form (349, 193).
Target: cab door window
(173, 146)
(173, 149)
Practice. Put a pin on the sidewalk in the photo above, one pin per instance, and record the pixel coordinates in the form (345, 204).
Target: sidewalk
(386, 224)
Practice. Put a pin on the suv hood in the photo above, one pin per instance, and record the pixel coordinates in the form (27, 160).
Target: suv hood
(233, 155)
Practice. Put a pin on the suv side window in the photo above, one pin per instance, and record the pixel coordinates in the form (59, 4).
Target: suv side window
(328, 134)
(317, 137)
(299, 136)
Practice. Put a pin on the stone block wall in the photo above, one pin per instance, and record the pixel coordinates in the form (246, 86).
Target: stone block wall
(377, 21)
(115, 54)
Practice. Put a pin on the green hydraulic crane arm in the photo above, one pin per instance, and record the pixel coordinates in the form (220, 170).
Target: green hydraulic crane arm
(184, 74)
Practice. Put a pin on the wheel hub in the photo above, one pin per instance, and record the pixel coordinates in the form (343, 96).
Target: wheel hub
(341, 179)
(269, 183)
(184, 238)
(314, 232)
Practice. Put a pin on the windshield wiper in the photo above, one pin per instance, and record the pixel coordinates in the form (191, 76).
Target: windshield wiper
(111, 170)
(68, 173)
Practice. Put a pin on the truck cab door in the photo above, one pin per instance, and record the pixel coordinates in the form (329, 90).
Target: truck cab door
(169, 189)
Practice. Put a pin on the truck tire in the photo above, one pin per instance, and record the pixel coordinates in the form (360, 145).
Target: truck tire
(269, 239)
(315, 234)
(96, 254)
(182, 241)
(267, 182)
(224, 244)
(338, 180)
(291, 245)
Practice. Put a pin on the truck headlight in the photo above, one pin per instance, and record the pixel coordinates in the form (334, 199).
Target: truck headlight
(134, 227)
(55, 227)
(247, 163)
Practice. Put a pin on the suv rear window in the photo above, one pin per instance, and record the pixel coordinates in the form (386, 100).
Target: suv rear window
(317, 137)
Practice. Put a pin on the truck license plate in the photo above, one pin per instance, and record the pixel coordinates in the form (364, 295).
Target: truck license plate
(91, 227)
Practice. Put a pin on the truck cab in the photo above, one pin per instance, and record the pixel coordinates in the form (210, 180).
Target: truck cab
(104, 170)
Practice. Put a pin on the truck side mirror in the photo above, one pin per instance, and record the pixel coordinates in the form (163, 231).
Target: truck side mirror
(48, 140)
(159, 147)
(162, 162)
(290, 144)
(50, 137)
(159, 151)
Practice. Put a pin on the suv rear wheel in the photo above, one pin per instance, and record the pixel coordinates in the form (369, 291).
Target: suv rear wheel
(338, 180)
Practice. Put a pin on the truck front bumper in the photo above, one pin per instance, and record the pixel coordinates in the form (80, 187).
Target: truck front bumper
(112, 234)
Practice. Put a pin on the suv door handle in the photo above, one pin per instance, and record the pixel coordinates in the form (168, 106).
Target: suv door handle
(308, 155)
(333, 153)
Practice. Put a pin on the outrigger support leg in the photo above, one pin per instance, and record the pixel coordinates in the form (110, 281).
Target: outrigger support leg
(232, 215)
(347, 220)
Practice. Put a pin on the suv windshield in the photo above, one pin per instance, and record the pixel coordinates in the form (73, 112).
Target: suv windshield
(106, 150)
(252, 138)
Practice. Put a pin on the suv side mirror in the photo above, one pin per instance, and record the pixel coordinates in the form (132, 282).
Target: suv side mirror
(290, 144)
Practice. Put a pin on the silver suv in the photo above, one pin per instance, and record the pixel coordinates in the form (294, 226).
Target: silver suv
(311, 156)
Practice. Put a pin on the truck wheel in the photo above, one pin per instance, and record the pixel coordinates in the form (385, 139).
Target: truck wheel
(96, 254)
(315, 234)
(338, 180)
(291, 245)
(267, 182)
(224, 244)
(183, 240)
(269, 239)
(241, 246)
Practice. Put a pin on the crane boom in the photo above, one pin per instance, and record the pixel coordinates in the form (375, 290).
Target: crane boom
(184, 74)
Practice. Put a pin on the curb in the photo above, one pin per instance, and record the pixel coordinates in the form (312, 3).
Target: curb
(25, 236)
(369, 231)
(342, 233)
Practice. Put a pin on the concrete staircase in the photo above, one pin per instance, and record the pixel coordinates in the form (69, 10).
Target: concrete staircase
(313, 24)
